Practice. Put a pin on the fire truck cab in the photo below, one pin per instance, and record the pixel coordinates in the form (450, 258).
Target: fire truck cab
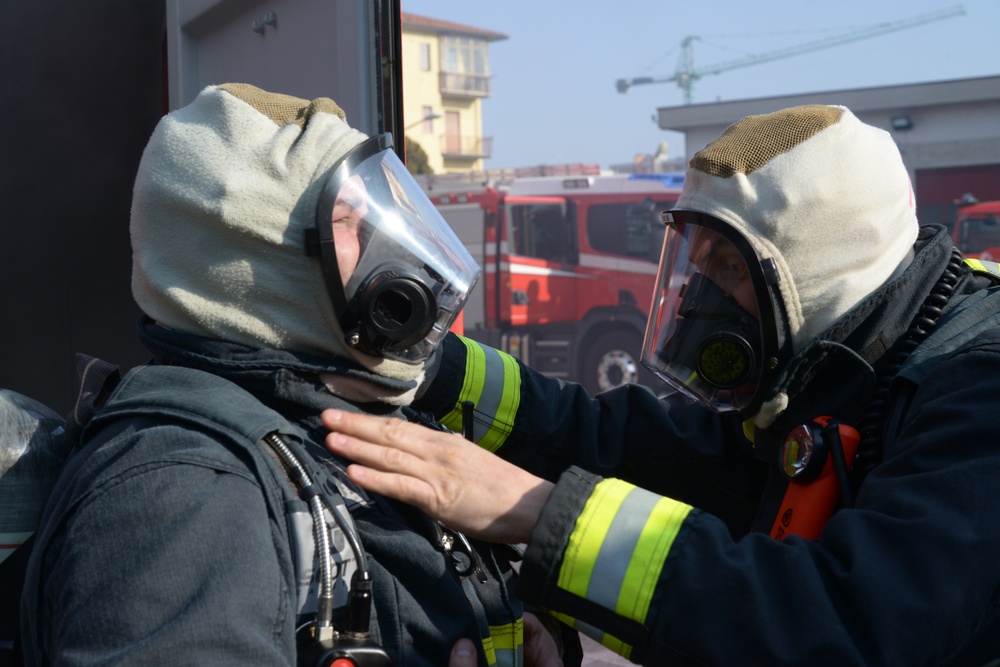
(977, 230)
(569, 266)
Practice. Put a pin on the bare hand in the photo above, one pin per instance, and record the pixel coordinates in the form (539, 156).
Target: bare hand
(463, 654)
(540, 648)
(446, 476)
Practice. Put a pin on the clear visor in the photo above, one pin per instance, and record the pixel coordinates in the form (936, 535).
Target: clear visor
(403, 272)
(704, 335)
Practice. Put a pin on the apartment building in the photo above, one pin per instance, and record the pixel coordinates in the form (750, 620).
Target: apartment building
(446, 76)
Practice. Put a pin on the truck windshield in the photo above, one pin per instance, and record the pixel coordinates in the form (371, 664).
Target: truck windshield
(978, 234)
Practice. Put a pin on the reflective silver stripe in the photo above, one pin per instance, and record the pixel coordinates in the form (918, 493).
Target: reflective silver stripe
(489, 400)
(608, 641)
(620, 525)
(532, 270)
(620, 542)
(616, 263)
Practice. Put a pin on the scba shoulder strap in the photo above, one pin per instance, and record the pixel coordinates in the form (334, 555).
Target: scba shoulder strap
(330, 573)
(265, 443)
(323, 551)
(290, 478)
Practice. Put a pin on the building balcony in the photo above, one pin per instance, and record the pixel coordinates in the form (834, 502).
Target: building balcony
(464, 85)
(472, 147)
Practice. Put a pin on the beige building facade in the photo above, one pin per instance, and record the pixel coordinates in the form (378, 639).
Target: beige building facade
(446, 76)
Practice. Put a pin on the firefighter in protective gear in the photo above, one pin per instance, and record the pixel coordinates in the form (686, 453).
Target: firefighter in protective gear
(799, 302)
(284, 263)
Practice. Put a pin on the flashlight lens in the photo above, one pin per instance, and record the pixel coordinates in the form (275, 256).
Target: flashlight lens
(797, 450)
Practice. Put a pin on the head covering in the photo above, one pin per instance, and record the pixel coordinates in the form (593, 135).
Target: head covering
(226, 189)
(824, 195)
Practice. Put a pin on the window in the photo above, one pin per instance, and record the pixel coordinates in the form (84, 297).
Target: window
(425, 56)
(466, 60)
(541, 231)
(464, 55)
(627, 229)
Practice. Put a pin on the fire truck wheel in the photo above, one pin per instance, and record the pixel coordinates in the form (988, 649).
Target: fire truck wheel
(611, 360)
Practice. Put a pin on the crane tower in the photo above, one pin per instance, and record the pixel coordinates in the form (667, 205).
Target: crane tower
(687, 74)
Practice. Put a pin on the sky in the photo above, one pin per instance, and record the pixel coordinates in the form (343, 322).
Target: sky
(553, 97)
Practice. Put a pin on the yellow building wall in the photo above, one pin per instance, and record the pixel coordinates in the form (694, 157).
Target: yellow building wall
(421, 88)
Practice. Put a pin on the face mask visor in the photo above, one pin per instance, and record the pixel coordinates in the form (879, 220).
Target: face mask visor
(711, 332)
(401, 275)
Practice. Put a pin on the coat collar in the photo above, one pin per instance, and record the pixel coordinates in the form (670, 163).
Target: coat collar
(288, 381)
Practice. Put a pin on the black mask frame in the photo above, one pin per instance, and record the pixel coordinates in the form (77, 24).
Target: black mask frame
(764, 278)
(392, 309)
(324, 214)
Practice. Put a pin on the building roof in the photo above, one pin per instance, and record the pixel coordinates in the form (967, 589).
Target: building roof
(438, 26)
(932, 93)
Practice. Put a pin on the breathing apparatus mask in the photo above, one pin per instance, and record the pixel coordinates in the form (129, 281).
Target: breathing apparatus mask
(412, 276)
(712, 332)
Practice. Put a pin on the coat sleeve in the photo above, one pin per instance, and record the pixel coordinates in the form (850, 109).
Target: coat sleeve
(908, 576)
(544, 425)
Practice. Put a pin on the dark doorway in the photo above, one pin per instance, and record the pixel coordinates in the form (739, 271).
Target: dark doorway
(82, 89)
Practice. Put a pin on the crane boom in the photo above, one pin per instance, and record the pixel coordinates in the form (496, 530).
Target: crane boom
(687, 74)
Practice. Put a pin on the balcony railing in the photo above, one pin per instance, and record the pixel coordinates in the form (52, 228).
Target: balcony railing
(466, 146)
(465, 85)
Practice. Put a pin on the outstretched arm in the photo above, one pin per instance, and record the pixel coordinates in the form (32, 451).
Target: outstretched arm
(446, 476)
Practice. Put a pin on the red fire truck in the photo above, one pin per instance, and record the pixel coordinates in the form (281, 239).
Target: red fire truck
(569, 265)
(977, 230)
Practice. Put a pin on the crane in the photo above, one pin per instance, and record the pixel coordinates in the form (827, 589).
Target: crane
(686, 73)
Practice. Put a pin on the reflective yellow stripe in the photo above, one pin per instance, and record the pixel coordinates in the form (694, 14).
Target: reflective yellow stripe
(504, 645)
(608, 641)
(617, 645)
(568, 620)
(615, 555)
(472, 383)
(588, 536)
(508, 637)
(510, 401)
(984, 266)
(491, 655)
(496, 396)
(648, 557)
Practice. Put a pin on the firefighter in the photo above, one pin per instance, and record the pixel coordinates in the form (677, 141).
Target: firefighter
(819, 486)
(284, 262)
